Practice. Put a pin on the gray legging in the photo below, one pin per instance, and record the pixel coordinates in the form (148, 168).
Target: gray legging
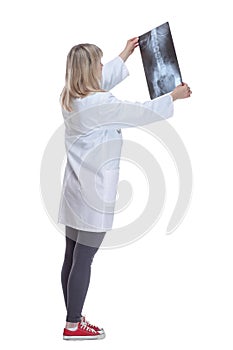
(81, 246)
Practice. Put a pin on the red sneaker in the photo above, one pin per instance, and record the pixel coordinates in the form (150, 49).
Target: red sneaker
(81, 333)
(97, 329)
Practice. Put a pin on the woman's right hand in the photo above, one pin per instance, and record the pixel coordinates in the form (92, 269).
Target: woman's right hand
(181, 91)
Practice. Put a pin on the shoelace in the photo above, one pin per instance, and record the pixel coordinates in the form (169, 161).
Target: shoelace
(86, 328)
(87, 323)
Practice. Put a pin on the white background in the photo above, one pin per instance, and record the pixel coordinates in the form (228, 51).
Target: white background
(162, 292)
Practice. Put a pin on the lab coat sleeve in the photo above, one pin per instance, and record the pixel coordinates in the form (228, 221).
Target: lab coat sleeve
(113, 73)
(110, 113)
(123, 114)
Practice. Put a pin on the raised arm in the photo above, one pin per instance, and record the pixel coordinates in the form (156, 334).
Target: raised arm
(113, 113)
(115, 71)
(105, 111)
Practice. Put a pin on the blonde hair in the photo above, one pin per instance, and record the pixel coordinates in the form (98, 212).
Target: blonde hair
(82, 69)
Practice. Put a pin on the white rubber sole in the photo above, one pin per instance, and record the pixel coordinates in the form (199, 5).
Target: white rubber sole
(92, 337)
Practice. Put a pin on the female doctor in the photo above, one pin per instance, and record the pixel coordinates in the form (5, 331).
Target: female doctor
(93, 120)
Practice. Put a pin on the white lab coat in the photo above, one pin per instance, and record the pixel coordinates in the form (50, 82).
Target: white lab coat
(93, 144)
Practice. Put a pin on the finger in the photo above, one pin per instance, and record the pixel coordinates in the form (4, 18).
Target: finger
(135, 39)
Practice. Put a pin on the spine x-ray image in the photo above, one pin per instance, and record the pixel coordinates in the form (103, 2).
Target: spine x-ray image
(159, 61)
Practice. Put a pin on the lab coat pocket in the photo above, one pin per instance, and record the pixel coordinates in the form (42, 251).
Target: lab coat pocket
(111, 177)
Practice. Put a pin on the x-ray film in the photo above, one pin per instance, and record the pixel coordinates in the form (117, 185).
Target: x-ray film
(159, 61)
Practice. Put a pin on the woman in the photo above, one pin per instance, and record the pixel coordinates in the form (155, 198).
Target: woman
(93, 119)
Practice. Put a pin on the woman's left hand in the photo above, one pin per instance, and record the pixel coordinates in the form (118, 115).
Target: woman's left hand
(129, 48)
